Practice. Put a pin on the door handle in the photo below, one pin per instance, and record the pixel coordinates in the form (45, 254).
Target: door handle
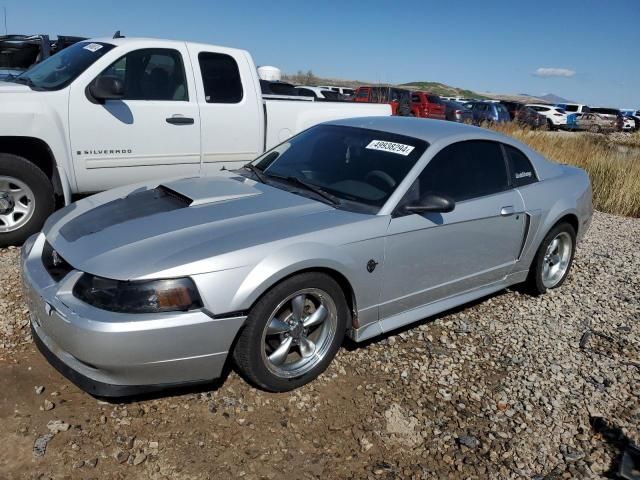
(176, 120)
(506, 211)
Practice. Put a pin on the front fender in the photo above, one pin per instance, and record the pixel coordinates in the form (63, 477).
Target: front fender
(287, 261)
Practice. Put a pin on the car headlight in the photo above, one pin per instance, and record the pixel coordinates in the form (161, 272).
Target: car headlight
(153, 296)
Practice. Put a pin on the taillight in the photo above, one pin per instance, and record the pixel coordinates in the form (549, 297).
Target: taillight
(557, 115)
(458, 112)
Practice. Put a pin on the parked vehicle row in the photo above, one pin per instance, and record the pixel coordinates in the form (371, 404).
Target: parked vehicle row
(565, 116)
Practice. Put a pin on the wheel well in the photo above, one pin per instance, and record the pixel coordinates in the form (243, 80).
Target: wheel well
(571, 219)
(349, 294)
(33, 149)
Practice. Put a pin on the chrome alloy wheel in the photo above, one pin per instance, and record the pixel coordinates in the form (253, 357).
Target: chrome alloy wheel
(17, 204)
(556, 259)
(299, 333)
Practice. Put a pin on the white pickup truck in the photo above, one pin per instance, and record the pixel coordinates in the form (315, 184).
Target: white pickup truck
(107, 112)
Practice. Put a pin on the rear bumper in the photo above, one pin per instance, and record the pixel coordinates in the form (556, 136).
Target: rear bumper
(112, 354)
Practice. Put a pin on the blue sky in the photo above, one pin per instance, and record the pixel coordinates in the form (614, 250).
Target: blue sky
(590, 49)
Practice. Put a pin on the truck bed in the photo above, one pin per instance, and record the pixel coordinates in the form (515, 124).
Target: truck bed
(285, 118)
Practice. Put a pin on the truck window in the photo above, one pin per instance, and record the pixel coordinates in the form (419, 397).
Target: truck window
(220, 77)
(415, 98)
(151, 74)
(59, 70)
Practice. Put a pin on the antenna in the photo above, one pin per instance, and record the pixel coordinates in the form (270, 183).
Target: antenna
(117, 35)
(5, 21)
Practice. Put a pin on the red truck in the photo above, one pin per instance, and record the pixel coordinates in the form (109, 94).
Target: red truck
(426, 105)
(399, 99)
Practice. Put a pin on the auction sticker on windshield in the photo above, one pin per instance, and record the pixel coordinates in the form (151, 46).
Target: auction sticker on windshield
(392, 147)
(93, 47)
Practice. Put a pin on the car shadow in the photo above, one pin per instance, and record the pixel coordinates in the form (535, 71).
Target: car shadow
(348, 344)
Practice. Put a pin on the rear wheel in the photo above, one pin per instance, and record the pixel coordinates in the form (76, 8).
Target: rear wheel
(595, 129)
(553, 259)
(550, 126)
(26, 199)
(292, 333)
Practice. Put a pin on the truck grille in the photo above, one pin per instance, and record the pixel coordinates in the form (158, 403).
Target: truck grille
(56, 266)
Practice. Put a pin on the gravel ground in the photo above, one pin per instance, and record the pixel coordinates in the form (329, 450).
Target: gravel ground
(508, 387)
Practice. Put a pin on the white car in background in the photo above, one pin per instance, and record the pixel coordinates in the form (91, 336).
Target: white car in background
(556, 117)
(629, 124)
(577, 108)
(317, 92)
(347, 91)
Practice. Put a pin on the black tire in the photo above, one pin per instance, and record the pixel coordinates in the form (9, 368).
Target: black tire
(534, 281)
(595, 129)
(42, 189)
(550, 126)
(247, 353)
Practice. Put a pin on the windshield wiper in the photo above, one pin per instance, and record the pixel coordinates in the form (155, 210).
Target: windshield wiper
(256, 171)
(311, 187)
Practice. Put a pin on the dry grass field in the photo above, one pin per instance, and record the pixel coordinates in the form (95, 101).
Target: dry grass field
(613, 163)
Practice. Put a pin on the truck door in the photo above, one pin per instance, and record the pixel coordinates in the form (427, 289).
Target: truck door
(152, 132)
(231, 108)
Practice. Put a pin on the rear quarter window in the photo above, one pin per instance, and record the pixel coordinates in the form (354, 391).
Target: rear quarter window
(522, 172)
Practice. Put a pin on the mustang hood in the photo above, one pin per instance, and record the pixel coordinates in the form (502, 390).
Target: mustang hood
(136, 232)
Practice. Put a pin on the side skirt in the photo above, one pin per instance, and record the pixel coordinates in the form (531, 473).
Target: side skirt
(410, 316)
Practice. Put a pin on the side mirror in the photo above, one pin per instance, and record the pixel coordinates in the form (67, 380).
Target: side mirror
(432, 202)
(107, 87)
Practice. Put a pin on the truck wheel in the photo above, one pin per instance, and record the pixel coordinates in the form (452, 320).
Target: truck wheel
(550, 126)
(292, 333)
(26, 199)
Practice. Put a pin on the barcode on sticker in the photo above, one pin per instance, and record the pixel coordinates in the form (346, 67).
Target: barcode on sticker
(93, 47)
(392, 147)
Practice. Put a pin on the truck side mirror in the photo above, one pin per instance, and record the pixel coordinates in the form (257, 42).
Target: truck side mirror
(106, 87)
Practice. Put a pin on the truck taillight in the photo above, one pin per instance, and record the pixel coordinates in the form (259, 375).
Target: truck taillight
(458, 112)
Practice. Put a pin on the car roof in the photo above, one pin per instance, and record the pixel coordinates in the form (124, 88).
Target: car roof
(426, 129)
(159, 42)
(443, 132)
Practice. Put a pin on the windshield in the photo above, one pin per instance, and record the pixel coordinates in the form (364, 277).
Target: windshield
(354, 165)
(61, 69)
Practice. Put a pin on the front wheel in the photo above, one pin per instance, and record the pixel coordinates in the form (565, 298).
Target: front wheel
(292, 333)
(553, 259)
(26, 199)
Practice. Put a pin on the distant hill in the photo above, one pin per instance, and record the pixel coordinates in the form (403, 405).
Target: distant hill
(550, 97)
(442, 89)
(437, 88)
(308, 78)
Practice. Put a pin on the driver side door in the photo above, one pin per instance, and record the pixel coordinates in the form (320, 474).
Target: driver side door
(432, 256)
(153, 131)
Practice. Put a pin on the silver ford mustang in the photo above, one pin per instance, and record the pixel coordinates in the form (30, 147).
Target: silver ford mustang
(353, 227)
